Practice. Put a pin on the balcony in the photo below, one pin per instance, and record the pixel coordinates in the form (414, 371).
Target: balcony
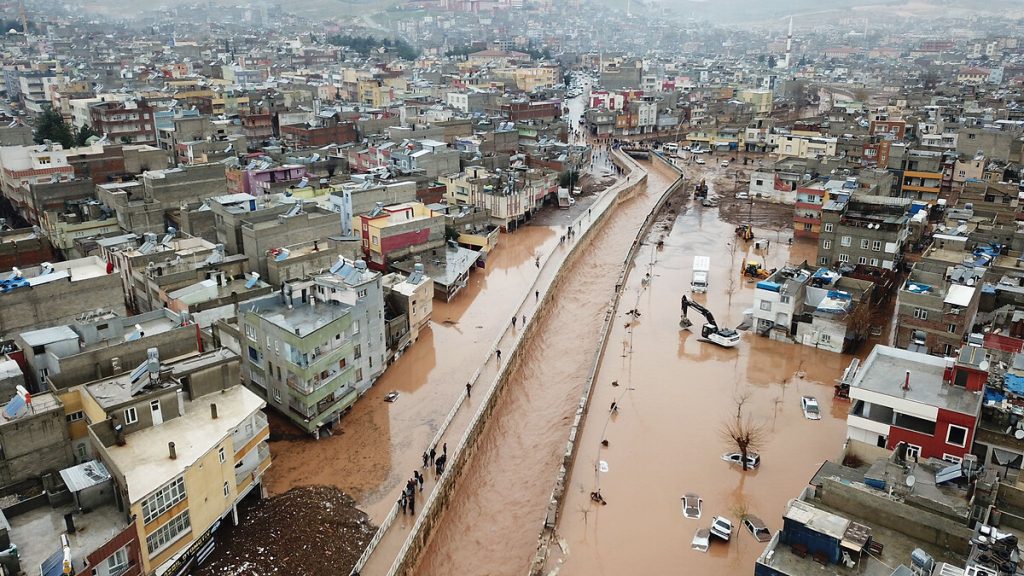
(804, 219)
(242, 440)
(245, 475)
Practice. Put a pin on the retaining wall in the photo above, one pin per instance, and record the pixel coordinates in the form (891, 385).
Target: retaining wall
(436, 503)
(569, 457)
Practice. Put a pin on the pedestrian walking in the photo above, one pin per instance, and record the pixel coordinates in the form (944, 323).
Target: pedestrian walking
(445, 450)
(426, 458)
(469, 389)
(513, 321)
(536, 261)
(410, 486)
(498, 354)
(433, 455)
(412, 503)
(403, 502)
(536, 294)
(419, 478)
(524, 320)
(437, 467)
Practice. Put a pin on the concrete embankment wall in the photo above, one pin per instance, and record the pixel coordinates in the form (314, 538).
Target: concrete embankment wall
(436, 503)
(569, 457)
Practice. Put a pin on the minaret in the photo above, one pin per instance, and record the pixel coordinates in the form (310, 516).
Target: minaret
(789, 44)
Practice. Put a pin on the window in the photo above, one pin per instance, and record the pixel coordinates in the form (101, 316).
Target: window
(956, 435)
(784, 299)
(359, 374)
(766, 306)
(250, 332)
(130, 416)
(227, 490)
(864, 243)
(947, 350)
(913, 451)
(75, 416)
(876, 245)
(828, 227)
(358, 351)
(168, 533)
(825, 338)
(220, 454)
(846, 241)
(823, 261)
(862, 260)
(361, 293)
(277, 395)
(117, 563)
(826, 245)
(874, 261)
(951, 328)
(844, 258)
(375, 239)
(952, 459)
(759, 183)
(920, 313)
(163, 499)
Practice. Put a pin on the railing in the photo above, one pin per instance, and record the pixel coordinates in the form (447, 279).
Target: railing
(259, 425)
(247, 473)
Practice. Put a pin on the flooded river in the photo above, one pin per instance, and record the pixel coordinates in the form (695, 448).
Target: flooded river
(492, 522)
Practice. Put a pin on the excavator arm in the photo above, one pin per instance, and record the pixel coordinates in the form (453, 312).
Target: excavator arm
(687, 303)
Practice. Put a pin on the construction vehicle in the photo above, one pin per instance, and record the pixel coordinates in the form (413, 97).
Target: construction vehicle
(745, 232)
(711, 332)
(754, 269)
(701, 190)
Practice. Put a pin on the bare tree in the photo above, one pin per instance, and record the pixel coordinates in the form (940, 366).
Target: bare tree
(743, 432)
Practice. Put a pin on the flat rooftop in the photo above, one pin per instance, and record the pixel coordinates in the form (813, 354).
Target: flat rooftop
(444, 269)
(144, 460)
(37, 533)
(40, 403)
(885, 369)
(301, 319)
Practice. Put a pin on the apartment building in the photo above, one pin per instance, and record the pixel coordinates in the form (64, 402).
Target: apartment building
(864, 229)
(128, 122)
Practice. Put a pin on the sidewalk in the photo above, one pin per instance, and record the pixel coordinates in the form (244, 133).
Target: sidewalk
(396, 527)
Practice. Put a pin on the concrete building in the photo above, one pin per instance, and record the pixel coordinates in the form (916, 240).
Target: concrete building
(35, 442)
(1003, 142)
(863, 229)
(903, 396)
(429, 158)
(267, 237)
(183, 445)
(128, 122)
(22, 166)
(938, 302)
(158, 264)
(391, 233)
(409, 302)
(48, 296)
(144, 207)
(315, 347)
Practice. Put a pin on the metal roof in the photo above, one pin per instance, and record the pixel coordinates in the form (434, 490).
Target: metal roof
(49, 335)
(87, 475)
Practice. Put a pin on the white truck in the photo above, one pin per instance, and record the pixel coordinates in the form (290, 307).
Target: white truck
(701, 268)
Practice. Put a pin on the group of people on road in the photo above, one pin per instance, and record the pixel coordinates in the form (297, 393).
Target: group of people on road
(407, 501)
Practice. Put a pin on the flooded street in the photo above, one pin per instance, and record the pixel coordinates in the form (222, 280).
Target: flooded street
(509, 479)
(378, 444)
(674, 392)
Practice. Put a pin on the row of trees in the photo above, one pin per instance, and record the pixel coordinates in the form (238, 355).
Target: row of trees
(366, 44)
(51, 126)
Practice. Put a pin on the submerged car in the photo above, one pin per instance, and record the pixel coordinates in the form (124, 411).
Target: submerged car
(809, 404)
(699, 160)
(692, 505)
(753, 460)
(721, 527)
(701, 540)
(757, 528)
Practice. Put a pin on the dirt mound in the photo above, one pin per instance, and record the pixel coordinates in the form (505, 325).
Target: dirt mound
(310, 530)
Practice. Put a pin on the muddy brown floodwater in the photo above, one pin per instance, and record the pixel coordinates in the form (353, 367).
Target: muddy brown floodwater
(377, 445)
(674, 392)
(493, 519)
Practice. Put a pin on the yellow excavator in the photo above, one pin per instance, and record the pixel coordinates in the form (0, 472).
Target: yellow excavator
(745, 232)
(754, 269)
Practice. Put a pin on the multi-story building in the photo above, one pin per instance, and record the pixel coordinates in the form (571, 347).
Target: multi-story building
(938, 302)
(183, 443)
(22, 166)
(807, 210)
(390, 233)
(903, 396)
(863, 229)
(314, 347)
(128, 122)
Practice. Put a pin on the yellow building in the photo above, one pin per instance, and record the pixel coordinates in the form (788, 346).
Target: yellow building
(182, 449)
(760, 99)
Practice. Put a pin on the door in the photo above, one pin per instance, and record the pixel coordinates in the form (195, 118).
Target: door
(158, 416)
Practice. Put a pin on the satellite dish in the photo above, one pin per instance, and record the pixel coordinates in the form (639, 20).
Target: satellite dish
(1019, 434)
(910, 481)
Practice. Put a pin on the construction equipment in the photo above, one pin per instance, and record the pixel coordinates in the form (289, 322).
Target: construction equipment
(745, 232)
(711, 332)
(754, 269)
(701, 190)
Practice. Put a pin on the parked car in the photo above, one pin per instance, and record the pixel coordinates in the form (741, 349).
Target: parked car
(809, 404)
(753, 460)
(742, 196)
(701, 540)
(724, 163)
(692, 505)
(721, 527)
(757, 528)
(700, 161)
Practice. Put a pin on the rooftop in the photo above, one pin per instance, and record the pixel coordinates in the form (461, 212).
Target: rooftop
(884, 372)
(300, 319)
(144, 460)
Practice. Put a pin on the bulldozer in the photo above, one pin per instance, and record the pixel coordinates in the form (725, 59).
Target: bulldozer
(754, 269)
(745, 232)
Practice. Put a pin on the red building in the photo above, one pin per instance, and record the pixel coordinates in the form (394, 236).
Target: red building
(124, 122)
(933, 404)
(302, 136)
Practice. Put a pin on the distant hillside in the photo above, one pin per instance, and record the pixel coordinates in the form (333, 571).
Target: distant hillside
(765, 11)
